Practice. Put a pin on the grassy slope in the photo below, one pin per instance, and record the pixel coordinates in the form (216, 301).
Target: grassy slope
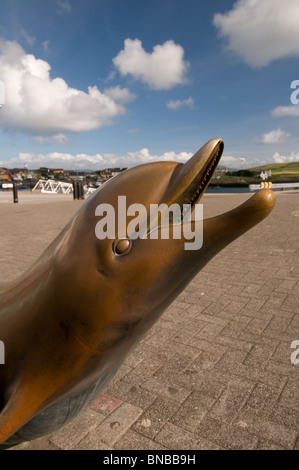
(278, 169)
(281, 173)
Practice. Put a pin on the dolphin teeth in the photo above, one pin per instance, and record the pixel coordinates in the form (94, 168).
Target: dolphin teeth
(202, 185)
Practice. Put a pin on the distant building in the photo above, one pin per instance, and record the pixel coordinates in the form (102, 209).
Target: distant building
(265, 174)
(220, 172)
(58, 174)
(19, 176)
(5, 175)
(110, 172)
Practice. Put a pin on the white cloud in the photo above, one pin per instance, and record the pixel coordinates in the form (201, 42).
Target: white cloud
(176, 104)
(45, 45)
(40, 105)
(278, 158)
(162, 69)
(260, 31)
(232, 162)
(60, 139)
(111, 76)
(122, 95)
(108, 160)
(63, 6)
(2, 94)
(29, 39)
(275, 137)
(93, 162)
(292, 110)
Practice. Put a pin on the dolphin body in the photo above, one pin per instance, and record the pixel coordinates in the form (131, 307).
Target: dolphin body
(69, 322)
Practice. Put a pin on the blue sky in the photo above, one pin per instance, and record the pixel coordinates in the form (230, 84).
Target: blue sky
(105, 83)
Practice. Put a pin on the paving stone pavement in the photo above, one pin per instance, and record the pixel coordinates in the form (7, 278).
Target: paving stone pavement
(215, 372)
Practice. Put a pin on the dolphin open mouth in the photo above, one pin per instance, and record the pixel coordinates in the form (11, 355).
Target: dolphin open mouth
(187, 185)
(209, 162)
(190, 180)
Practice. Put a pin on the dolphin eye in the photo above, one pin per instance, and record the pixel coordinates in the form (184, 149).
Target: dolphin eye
(121, 246)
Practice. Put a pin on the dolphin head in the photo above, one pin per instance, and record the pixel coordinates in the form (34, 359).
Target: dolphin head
(73, 317)
(127, 280)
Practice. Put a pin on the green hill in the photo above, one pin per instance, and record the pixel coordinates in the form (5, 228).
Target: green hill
(279, 169)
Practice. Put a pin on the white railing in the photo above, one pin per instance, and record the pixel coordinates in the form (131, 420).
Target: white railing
(56, 187)
(53, 187)
(282, 186)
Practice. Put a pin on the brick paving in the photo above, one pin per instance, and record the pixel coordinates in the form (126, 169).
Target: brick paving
(215, 371)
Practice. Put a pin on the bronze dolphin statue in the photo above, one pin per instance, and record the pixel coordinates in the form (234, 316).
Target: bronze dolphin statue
(68, 323)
